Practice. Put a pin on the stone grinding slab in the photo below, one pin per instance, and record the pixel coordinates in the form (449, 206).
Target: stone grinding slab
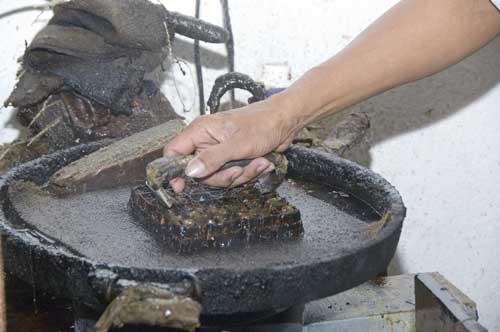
(99, 226)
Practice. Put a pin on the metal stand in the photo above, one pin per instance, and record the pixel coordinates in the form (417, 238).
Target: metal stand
(440, 306)
(3, 315)
(406, 303)
(290, 320)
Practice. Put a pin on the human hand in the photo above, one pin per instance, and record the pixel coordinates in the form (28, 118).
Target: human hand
(245, 133)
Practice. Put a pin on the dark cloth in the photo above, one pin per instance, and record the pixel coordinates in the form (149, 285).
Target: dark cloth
(101, 49)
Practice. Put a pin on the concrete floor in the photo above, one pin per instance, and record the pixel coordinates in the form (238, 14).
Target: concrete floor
(436, 140)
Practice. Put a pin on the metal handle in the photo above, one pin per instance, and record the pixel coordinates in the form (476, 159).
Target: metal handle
(164, 169)
(230, 81)
(172, 305)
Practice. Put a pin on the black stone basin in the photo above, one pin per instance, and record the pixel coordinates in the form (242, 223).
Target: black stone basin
(78, 247)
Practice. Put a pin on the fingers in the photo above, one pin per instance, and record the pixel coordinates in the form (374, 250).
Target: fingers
(224, 137)
(179, 146)
(177, 184)
(209, 160)
(224, 178)
(182, 144)
(236, 176)
(255, 169)
(231, 177)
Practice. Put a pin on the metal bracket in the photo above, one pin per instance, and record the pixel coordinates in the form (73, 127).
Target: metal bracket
(442, 307)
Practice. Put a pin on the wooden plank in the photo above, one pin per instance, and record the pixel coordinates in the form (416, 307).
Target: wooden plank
(122, 162)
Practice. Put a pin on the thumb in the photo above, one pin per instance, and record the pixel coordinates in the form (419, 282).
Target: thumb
(211, 159)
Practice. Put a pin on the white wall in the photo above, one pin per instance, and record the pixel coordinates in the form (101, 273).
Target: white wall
(436, 140)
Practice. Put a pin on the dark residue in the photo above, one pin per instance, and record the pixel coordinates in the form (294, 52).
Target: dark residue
(99, 226)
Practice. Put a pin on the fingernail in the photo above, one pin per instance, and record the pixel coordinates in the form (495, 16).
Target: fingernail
(195, 168)
(262, 167)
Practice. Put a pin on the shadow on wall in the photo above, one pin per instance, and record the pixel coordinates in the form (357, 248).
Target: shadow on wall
(430, 100)
(421, 104)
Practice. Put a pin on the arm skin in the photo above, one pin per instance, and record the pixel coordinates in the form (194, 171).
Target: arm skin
(414, 39)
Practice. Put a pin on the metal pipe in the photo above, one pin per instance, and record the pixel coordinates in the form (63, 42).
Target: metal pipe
(229, 43)
(199, 68)
(196, 29)
(3, 316)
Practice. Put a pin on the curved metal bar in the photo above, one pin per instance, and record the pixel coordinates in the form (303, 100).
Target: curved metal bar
(199, 68)
(230, 81)
(196, 29)
(226, 17)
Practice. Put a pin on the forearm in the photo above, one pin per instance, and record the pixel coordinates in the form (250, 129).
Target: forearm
(414, 39)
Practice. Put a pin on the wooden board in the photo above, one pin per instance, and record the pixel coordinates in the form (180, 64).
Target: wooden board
(122, 162)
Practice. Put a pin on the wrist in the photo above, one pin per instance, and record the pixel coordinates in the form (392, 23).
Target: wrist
(286, 108)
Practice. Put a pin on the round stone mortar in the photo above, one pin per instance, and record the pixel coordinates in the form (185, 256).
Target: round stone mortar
(78, 247)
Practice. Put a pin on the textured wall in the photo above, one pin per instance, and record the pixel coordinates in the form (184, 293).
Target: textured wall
(436, 140)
